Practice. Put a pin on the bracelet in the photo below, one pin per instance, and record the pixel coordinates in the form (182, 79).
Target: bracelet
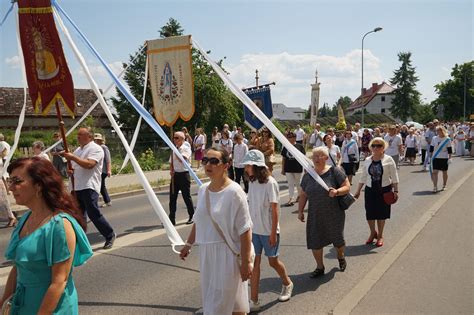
(188, 244)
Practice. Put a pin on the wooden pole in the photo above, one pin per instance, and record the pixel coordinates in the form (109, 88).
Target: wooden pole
(63, 136)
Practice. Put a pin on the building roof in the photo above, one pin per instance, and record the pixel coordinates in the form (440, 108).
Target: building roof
(369, 94)
(11, 102)
(283, 112)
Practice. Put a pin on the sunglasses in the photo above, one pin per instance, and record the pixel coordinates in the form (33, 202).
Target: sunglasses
(176, 138)
(212, 161)
(376, 145)
(14, 181)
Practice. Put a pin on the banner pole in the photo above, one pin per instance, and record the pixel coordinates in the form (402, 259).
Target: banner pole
(63, 136)
(171, 164)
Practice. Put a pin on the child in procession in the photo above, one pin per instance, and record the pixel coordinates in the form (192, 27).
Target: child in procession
(263, 199)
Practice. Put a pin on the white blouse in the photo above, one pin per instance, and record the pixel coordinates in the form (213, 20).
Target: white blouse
(389, 176)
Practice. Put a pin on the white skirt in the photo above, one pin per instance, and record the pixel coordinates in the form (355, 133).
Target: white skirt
(223, 290)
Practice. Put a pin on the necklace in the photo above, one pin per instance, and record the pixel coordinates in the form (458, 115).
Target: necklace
(29, 230)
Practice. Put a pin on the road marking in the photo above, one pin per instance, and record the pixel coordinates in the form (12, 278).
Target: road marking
(121, 242)
(352, 299)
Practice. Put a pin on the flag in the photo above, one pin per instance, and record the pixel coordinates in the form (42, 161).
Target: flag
(47, 73)
(171, 78)
(262, 98)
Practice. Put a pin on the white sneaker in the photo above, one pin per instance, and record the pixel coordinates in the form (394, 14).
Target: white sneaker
(106, 205)
(435, 189)
(286, 291)
(254, 306)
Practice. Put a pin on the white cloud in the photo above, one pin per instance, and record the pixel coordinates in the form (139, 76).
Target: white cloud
(98, 71)
(13, 62)
(294, 74)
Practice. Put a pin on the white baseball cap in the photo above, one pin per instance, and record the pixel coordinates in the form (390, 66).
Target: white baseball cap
(254, 157)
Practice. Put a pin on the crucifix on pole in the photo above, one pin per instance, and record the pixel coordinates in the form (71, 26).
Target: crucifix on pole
(256, 78)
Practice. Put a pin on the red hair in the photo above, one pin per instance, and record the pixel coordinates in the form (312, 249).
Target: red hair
(53, 191)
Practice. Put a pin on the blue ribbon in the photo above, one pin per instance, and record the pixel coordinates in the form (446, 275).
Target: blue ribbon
(135, 103)
(438, 151)
(6, 15)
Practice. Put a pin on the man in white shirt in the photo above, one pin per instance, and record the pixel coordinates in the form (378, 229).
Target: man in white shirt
(4, 148)
(180, 180)
(299, 134)
(394, 141)
(87, 163)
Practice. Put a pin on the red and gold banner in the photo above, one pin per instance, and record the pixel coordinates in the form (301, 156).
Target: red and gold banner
(49, 79)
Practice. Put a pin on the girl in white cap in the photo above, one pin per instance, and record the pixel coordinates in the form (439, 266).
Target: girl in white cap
(264, 199)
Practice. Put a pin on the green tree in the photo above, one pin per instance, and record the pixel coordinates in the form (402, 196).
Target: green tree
(214, 103)
(407, 98)
(451, 93)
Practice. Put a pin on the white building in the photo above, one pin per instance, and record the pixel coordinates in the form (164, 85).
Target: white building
(282, 112)
(376, 100)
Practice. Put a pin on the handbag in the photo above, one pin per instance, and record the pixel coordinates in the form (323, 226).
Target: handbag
(346, 200)
(352, 158)
(389, 197)
(237, 255)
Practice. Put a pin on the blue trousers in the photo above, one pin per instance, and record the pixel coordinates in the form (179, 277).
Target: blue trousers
(89, 203)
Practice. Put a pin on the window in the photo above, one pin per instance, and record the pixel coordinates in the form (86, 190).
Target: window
(382, 110)
(383, 98)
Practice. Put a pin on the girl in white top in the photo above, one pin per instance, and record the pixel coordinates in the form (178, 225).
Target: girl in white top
(441, 150)
(334, 151)
(411, 144)
(225, 143)
(264, 199)
(223, 282)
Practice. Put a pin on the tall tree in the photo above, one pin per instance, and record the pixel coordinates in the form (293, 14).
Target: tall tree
(450, 101)
(214, 103)
(407, 97)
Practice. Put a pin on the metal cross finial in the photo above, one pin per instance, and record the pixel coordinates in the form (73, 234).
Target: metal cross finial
(256, 77)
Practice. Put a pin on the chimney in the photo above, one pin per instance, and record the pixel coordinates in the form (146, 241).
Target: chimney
(364, 90)
(374, 86)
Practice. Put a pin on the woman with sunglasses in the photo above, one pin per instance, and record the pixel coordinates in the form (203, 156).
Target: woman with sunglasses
(222, 228)
(46, 245)
(379, 175)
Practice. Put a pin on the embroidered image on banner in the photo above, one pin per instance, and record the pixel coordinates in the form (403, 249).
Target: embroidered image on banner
(47, 73)
(171, 79)
(262, 98)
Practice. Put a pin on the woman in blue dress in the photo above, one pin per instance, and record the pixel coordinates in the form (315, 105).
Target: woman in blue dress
(47, 243)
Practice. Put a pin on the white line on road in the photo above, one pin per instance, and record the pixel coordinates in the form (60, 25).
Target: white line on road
(350, 301)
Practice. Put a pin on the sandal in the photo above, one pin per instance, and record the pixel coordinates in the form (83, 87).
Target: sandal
(370, 240)
(289, 204)
(342, 263)
(317, 273)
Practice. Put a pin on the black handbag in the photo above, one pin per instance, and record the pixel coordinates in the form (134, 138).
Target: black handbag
(346, 200)
(352, 158)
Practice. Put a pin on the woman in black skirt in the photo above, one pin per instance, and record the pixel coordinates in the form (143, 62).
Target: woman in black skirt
(379, 175)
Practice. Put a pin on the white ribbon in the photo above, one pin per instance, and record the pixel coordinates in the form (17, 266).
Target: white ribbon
(171, 232)
(300, 157)
(139, 124)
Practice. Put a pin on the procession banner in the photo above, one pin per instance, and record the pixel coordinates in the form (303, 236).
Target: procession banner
(262, 98)
(171, 78)
(47, 73)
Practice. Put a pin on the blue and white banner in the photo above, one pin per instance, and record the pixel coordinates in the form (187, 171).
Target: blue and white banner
(262, 98)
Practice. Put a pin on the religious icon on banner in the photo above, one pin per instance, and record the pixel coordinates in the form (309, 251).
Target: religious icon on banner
(171, 79)
(262, 98)
(47, 72)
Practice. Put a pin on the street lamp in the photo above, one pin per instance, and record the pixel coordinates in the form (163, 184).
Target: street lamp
(377, 29)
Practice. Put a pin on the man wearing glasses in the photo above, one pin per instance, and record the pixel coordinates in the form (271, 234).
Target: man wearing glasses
(180, 180)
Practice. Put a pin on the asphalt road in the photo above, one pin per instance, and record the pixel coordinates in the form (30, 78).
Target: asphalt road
(142, 275)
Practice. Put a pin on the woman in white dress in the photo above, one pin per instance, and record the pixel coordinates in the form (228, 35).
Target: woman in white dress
(460, 142)
(223, 282)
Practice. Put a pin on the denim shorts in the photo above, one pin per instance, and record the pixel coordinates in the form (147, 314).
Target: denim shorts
(261, 242)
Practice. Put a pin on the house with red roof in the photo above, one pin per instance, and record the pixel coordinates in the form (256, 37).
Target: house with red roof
(376, 100)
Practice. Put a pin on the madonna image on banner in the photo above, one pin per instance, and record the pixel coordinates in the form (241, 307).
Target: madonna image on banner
(171, 79)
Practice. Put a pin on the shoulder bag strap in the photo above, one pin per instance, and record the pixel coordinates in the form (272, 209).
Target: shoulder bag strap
(208, 206)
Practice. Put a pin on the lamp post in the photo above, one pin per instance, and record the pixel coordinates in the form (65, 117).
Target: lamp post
(377, 29)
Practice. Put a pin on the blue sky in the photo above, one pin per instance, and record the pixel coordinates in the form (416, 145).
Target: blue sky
(285, 40)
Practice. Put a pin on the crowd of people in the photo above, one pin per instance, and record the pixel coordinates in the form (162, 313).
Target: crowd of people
(233, 226)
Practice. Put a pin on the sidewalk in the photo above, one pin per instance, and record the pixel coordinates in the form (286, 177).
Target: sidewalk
(435, 274)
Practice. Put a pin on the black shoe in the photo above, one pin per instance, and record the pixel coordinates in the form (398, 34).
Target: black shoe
(190, 221)
(342, 263)
(173, 221)
(317, 273)
(110, 242)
